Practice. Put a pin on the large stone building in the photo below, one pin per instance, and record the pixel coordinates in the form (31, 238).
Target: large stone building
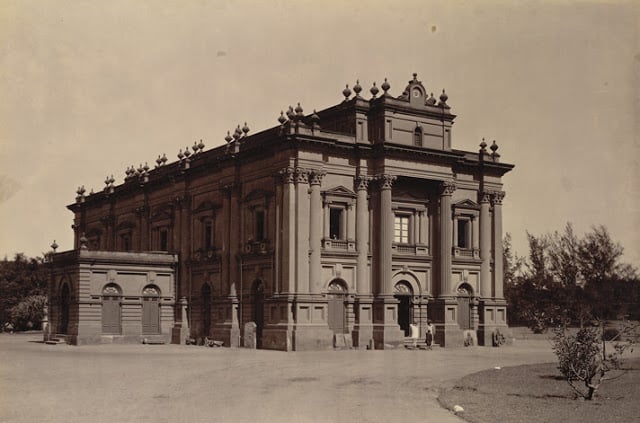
(343, 226)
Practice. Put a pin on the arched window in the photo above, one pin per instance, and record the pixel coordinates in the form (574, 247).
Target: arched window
(417, 137)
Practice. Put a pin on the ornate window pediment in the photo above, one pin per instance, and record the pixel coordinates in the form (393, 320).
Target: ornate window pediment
(339, 191)
(467, 204)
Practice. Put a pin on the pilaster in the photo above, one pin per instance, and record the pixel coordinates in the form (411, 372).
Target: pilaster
(302, 230)
(315, 230)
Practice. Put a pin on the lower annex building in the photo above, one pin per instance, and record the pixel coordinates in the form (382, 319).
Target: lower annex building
(340, 227)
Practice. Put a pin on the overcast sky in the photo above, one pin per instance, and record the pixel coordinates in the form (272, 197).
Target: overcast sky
(91, 87)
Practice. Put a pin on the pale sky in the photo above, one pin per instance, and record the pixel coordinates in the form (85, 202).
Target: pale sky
(91, 87)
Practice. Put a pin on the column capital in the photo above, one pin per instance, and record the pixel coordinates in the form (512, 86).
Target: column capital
(497, 197)
(315, 176)
(301, 175)
(448, 187)
(362, 182)
(286, 175)
(485, 196)
(386, 180)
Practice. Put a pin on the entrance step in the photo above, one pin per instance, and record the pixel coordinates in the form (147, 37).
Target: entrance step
(154, 340)
(421, 344)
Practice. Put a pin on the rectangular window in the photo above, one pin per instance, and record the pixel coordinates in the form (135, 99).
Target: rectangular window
(401, 230)
(208, 234)
(463, 233)
(164, 240)
(259, 225)
(126, 242)
(335, 223)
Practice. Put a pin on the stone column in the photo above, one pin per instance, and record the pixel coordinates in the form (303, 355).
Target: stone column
(485, 246)
(363, 285)
(497, 244)
(386, 233)
(315, 230)
(445, 238)
(302, 230)
(287, 255)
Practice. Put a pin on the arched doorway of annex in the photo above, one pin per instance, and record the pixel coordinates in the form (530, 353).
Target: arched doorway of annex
(205, 308)
(65, 306)
(150, 310)
(111, 309)
(337, 307)
(464, 295)
(257, 309)
(405, 286)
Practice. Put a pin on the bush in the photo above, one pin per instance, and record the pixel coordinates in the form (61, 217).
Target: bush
(28, 314)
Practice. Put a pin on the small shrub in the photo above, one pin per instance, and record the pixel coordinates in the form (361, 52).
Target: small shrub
(28, 314)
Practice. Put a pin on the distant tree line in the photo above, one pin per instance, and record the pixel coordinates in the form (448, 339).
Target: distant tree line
(568, 279)
(23, 290)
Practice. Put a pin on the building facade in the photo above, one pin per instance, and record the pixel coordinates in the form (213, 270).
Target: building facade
(340, 227)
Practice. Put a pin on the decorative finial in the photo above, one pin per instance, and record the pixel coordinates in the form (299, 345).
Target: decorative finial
(187, 153)
(195, 147)
(385, 86)
(237, 133)
(483, 145)
(374, 90)
(180, 155)
(228, 138)
(245, 129)
(494, 148)
(315, 119)
(415, 76)
(54, 246)
(299, 111)
(282, 119)
(431, 101)
(158, 161)
(83, 242)
(346, 92)
(164, 158)
(145, 167)
(201, 145)
(357, 88)
(290, 113)
(443, 98)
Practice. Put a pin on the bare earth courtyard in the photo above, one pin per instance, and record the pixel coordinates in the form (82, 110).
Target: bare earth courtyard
(174, 383)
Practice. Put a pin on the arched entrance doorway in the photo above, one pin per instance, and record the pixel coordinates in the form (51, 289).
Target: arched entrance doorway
(150, 310)
(465, 293)
(337, 317)
(257, 290)
(404, 294)
(111, 315)
(205, 308)
(65, 301)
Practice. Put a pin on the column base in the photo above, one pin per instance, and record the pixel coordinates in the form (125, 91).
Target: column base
(179, 334)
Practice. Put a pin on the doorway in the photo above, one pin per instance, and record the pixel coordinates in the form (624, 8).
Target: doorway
(464, 307)
(111, 315)
(65, 300)
(404, 294)
(337, 315)
(258, 310)
(150, 311)
(205, 309)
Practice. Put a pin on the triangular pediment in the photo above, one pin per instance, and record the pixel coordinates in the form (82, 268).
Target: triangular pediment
(340, 191)
(467, 204)
(257, 194)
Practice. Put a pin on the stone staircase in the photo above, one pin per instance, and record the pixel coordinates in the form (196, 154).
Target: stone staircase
(56, 339)
(420, 344)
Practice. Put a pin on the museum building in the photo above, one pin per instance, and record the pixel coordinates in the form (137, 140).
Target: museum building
(342, 227)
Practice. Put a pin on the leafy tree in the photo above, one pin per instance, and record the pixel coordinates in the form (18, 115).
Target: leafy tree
(19, 279)
(582, 358)
(28, 314)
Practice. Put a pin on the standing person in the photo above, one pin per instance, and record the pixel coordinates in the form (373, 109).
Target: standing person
(415, 334)
(431, 331)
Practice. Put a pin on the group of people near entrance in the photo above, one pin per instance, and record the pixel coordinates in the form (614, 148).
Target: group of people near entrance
(430, 332)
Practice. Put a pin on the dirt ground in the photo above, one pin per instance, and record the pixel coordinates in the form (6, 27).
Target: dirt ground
(175, 383)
